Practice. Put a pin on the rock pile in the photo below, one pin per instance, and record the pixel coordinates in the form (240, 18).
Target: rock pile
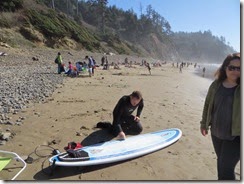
(21, 84)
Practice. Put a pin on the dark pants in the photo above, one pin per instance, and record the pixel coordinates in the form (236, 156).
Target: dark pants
(68, 72)
(60, 68)
(128, 125)
(228, 155)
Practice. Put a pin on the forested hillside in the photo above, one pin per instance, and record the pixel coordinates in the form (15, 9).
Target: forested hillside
(95, 26)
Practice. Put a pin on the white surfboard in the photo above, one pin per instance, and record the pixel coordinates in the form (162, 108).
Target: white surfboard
(119, 150)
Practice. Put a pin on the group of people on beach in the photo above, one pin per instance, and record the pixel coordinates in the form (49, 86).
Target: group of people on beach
(89, 64)
(221, 114)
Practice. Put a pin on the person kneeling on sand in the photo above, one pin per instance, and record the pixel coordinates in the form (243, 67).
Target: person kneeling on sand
(70, 68)
(123, 120)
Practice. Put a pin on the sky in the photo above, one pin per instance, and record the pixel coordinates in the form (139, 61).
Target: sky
(221, 17)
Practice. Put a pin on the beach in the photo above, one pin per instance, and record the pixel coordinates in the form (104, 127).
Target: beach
(74, 106)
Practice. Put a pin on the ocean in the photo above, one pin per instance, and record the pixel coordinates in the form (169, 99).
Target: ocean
(210, 70)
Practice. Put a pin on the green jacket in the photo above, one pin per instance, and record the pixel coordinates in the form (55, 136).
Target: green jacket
(208, 107)
(60, 61)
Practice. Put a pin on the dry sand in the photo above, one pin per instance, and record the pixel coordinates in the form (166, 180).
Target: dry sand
(172, 100)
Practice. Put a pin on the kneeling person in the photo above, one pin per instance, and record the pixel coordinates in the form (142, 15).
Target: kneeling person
(123, 120)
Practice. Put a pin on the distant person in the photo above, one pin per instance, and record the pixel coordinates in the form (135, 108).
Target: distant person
(79, 66)
(126, 61)
(203, 71)
(142, 62)
(106, 65)
(123, 120)
(91, 65)
(181, 66)
(149, 68)
(222, 113)
(60, 63)
(102, 60)
(70, 68)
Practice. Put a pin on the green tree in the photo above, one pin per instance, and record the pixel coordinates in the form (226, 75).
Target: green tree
(11, 5)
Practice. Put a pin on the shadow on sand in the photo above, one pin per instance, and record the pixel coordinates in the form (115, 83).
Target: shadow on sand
(99, 136)
(60, 172)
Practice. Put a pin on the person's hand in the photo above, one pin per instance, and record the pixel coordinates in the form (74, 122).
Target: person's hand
(121, 136)
(204, 131)
(137, 119)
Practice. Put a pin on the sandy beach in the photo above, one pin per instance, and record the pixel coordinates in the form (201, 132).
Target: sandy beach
(172, 100)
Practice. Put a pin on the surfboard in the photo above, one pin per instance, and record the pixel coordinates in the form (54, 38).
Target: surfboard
(119, 150)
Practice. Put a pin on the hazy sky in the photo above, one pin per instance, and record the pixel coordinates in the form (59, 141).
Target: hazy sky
(221, 17)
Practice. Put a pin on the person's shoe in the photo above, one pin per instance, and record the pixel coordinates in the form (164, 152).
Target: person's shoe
(73, 145)
(104, 125)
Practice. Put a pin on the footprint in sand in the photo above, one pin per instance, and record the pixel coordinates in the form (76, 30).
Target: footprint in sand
(172, 153)
(134, 163)
(150, 170)
(84, 128)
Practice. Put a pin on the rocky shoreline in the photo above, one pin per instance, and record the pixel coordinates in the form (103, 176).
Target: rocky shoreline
(29, 76)
(24, 80)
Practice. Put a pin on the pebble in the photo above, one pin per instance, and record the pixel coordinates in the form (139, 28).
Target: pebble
(31, 83)
(23, 82)
(6, 136)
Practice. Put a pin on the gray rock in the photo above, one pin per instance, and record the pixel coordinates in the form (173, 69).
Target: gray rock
(6, 136)
(9, 123)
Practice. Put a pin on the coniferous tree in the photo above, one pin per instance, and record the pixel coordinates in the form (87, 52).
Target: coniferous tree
(11, 5)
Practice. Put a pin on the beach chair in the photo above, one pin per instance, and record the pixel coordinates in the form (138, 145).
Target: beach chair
(14, 161)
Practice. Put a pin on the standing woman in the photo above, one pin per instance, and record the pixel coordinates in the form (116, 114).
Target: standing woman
(222, 113)
(60, 63)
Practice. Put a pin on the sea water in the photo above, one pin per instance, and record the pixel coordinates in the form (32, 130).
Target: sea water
(210, 70)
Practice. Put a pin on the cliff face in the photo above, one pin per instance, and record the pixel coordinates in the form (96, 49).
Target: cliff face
(36, 25)
(157, 49)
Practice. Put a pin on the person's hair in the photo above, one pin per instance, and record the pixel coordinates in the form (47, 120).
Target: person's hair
(221, 72)
(136, 94)
(86, 57)
(59, 53)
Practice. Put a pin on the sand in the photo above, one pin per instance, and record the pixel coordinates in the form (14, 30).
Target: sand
(172, 100)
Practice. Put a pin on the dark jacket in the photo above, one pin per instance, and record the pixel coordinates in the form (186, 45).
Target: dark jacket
(124, 108)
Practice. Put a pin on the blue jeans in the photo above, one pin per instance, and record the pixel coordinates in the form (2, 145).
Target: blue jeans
(228, 155)
(68, 72)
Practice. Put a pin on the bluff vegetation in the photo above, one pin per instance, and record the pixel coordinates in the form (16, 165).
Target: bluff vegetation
(93, 25)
